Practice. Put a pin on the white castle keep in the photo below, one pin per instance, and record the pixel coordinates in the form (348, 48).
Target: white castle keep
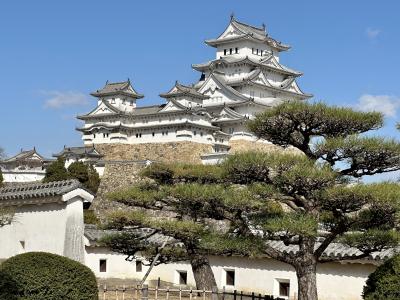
(244, 79)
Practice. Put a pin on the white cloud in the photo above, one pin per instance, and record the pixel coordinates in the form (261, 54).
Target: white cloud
(385, 104)
(61, 99)
(372, 33)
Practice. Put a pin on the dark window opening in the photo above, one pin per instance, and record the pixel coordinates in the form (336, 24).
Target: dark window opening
(230, 277)
(284, 289)
(103, 265)
(230, 51)
(152, 133)
(182, 277)
(139, 266)
(224, 51)
(236, 50)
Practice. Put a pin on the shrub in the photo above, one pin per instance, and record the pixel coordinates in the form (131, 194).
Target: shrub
(79, 171)
(56, 171)
(46, 276)
(89, 217)
(384, 283)
(1, 178)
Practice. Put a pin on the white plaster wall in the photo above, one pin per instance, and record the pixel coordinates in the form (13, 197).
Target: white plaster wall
(117, 266)
(23, 175)
(41, 227)
(335, 281)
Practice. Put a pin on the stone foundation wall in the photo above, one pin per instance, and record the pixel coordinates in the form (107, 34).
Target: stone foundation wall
(117, 175)
(165, 152)
(244, 145)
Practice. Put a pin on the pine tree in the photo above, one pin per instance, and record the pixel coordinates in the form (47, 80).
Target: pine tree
(308, 196)
(56, 171)
(191, 237)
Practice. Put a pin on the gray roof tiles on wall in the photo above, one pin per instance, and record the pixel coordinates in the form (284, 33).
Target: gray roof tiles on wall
(39, 190)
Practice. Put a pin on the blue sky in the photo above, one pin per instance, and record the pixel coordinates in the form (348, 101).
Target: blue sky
(54, 53)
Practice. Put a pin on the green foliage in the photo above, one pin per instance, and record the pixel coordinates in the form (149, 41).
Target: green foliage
(6, 215)
(56, 171)
(292, 224)
(371, 240)
(84, 173)
(45, 276)
(170, 173)
(384, 282)
(93, 181)
(361, 155)
(295, 123)
(89, 217)
(79, 170)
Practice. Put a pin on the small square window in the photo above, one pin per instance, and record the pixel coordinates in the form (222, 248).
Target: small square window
(230, 277)
(103, 265)
(284, 288)
(182, 277)
(139, 266)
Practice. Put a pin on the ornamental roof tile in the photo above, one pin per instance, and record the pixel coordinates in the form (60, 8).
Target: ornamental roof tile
(38, 190)
(180, 89)
(79, 151)
(23, 156)
(115, 88)
(248, 31)
(265, 62)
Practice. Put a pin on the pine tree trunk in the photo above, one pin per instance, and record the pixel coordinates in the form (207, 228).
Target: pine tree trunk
(203, 275)
(307, 280)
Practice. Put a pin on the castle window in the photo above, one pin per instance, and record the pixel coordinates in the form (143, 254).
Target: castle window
(230, 277)
(194, 132)
(137, 135)
(182, 277)
(257, 51)
(224, 51)
(139, 266)
(261, 52)
(201, 133)
(252, 50)
(140, 135)
(230, 51)
(236, 50)
(94, 135)
(284, 288)
(103, 265)
(153, 133)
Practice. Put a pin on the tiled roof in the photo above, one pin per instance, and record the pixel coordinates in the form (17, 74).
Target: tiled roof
(94, 235)
(24, 155)
(113, 88)
(334, 250)
(247, 31)
(38, 190)
(79, 151)
(180, 89)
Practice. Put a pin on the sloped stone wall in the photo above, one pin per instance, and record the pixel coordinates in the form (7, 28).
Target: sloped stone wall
(117, 175)
(165, 152)
(244, 145)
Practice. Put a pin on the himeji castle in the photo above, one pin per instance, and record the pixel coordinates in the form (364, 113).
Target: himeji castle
(245, 78)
